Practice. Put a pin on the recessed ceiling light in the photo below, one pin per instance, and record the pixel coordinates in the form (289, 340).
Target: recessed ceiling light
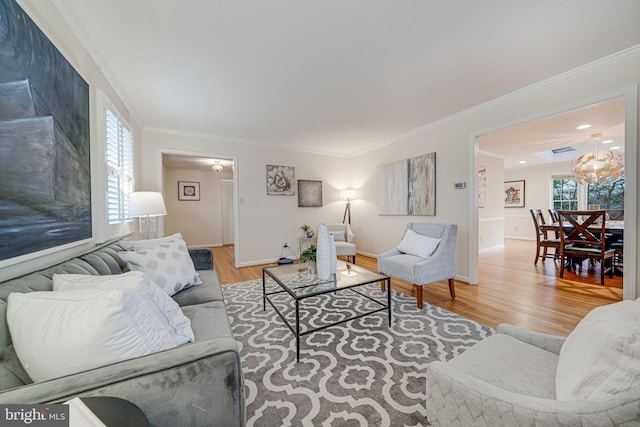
(583, 126)
(607, 141)
(522, 162)
(614, 148)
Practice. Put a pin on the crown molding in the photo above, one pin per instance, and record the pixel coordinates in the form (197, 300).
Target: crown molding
(242, 141)
(615, 58)
(70, 16)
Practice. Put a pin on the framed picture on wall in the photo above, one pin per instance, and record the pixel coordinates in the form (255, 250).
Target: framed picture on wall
(188, 190)
(514, 194)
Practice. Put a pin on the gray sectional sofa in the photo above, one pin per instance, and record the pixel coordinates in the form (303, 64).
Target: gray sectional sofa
(196, 384)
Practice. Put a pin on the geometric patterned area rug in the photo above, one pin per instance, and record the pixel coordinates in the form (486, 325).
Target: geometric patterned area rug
(359, 373)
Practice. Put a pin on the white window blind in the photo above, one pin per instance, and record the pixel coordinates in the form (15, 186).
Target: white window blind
(119, 158)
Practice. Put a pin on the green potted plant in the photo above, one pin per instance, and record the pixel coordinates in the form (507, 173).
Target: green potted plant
(308, 257)
(306, 229)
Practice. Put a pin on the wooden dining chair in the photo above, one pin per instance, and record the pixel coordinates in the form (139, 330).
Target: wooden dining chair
(584, 238)
(553, 215)
(615, 214)
(542, 241)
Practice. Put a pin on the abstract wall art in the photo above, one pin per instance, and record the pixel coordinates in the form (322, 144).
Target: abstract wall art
(309, 194)
(408, 187)
(482, 186)
(45, 176)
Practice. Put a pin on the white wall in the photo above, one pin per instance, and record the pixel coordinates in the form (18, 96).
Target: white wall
(491, 217)
(265, 222)
(199, 221)
(452, 140)
(518, 221)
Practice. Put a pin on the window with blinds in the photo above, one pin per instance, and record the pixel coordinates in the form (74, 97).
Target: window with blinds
(119, 157)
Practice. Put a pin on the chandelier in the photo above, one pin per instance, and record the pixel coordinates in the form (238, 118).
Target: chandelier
(217, 167)
(599, 168)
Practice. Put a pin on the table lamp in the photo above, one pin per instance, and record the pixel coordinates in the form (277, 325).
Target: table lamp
(146, 206)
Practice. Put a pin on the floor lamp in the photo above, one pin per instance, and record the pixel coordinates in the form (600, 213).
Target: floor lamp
(146, 206)
(347, 195)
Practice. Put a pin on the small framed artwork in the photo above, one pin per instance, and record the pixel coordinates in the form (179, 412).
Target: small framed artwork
(280, 180)
(482, 186)
(188, 190)
(514, 194)
(309, 194)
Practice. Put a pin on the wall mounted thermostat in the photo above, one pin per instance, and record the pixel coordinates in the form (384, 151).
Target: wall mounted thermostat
(460, 185)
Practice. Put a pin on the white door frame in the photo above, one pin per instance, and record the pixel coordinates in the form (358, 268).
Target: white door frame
(630, 96)
(234, 159)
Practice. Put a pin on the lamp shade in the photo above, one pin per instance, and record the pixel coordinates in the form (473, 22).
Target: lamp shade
(348, 194)
(147, 203)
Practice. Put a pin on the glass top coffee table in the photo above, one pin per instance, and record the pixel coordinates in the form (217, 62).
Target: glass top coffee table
(296, 281)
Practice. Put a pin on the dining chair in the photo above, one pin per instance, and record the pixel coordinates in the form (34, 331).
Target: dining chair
(553, 215)
(584, 238)
(615, 214)
(542, 241)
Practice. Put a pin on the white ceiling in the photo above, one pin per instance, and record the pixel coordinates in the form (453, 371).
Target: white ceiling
(533, 141)
(334, 76)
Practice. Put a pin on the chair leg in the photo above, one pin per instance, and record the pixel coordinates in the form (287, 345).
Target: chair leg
(452, 288)
(537, 255)
(418, 290)
(383, 286)
(353, 259)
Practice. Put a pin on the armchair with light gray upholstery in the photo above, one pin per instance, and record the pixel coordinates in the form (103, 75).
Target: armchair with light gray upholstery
(440, 265)
(509, 379)
(344, 239)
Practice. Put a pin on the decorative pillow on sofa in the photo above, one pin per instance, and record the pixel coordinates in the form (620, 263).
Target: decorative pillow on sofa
(60, 333)
(136, 245)
(601, 356)
(164, 307)
(416, 244)
(168, 264)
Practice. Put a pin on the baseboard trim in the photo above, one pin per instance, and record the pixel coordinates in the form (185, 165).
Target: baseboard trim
(491, 249)
(529, 239)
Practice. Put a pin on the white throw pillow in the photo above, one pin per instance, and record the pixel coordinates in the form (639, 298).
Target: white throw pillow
(61, 333)
(338, 236)
(601, 356)
(166, 309)
(136, 245)
(168, 264)
(416, 244)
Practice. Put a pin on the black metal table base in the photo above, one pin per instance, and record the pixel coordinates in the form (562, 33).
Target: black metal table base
(295, 329)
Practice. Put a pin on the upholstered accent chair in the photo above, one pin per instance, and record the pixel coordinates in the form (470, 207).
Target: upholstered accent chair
(344, 239)
(415, 262)
(518, 377)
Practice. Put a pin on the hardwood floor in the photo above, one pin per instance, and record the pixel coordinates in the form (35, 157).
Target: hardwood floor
(511, 290)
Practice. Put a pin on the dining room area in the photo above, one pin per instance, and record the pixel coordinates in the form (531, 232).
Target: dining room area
(553, 190)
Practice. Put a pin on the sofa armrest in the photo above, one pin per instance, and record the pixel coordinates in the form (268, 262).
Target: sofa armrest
(194, 383)
(456, 398)
(552, 343)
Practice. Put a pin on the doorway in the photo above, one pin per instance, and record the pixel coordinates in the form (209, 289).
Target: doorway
(212, 219)
(520, 219)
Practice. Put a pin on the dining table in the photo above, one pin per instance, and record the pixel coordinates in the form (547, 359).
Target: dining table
(615, 228)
